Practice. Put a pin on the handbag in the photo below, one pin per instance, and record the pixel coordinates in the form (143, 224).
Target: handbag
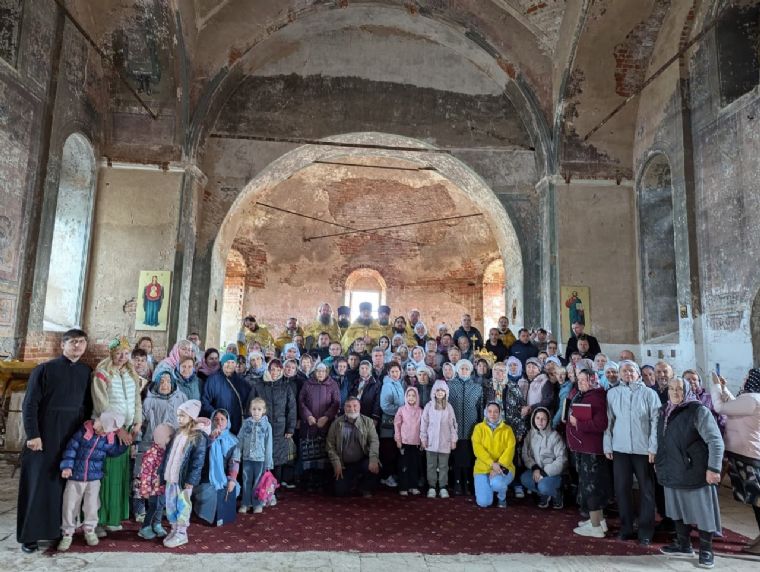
(292, 449)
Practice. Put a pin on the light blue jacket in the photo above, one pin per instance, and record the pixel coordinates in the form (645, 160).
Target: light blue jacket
(255, 441)
(391, 396)
(633, 413)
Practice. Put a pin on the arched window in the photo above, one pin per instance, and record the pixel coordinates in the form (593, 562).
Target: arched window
(494, 301)
(658, 254)
(234, 294)
(71, 236)
(364, 285)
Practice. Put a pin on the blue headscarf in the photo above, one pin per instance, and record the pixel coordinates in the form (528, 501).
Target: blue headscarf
(219, 448)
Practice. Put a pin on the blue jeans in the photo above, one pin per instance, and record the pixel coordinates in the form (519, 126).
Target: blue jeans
(252, 471)
(486, 486)
(546, 487)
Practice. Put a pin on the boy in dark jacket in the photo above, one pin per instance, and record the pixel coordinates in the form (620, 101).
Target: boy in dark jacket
(82, 464)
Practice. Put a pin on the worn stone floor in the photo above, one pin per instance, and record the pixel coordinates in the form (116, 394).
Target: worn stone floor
(736, 517)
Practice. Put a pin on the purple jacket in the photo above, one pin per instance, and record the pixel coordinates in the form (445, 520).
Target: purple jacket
(318, 400)
(588, 436)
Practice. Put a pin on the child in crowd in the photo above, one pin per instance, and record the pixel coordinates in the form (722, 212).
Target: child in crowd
(151, 488)
(182, 467)
(82, 464)
(255, 442)
(406, 426)
(545, 457)
(438, 435)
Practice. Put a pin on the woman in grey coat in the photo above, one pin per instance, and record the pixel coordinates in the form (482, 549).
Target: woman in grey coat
(689, 457)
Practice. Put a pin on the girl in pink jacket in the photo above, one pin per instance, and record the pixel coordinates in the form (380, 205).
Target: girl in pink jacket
(407, 435)
(438, 433)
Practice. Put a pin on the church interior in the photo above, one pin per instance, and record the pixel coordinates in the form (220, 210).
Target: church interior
(474, 156)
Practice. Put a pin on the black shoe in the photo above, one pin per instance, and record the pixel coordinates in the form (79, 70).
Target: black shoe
(543, 502)
(677, 551)
(29, 547)
(458, 489)
(645, 541)
(627, 536)
(706, 559)
(559, 503)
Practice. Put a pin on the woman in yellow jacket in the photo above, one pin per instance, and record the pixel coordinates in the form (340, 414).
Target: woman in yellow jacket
(494, 444)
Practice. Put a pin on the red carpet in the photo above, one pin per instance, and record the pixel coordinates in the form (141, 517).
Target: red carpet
(391, 523)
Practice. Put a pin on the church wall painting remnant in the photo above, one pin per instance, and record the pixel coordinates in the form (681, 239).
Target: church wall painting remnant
(575, 305)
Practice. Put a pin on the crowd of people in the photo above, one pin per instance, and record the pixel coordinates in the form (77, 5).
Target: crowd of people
(346, 407)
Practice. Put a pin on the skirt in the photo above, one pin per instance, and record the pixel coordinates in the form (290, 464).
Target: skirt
(745, 478)
(593, 481)
(314, 452)
(697, 507)
(114, 491)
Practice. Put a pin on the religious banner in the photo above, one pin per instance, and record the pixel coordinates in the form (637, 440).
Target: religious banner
(153, 300)
(574, 307)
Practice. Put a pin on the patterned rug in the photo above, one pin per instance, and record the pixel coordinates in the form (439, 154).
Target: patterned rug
(391, 523)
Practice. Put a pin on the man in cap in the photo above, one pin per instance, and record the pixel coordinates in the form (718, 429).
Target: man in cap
(323, 323)
(344, 318)
(363, 327)
(384, 320)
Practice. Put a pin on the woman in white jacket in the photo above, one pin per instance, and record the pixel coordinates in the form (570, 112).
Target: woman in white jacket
(742, 441)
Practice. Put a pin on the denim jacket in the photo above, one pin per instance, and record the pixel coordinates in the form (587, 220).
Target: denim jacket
(255, 441)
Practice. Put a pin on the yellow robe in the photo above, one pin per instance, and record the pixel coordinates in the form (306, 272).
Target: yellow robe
(246, 336)
(286, 338)
(507, 338)
(316, 327)
(357, 330)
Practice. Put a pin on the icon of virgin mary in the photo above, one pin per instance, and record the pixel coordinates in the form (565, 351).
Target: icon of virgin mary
(153, 296)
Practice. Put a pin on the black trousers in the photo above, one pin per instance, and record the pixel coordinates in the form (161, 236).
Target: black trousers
(409, 470)
(388, 457)
(624, 466)
(356, 475)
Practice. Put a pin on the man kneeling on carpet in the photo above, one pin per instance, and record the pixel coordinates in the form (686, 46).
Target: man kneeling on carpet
(493, 442)
(352, 447)
(182, 467)
(82, 464)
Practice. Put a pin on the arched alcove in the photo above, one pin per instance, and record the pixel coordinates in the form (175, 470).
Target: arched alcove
(235, 274)
(361, 147)
(659, 295)
(364, 285)
(494, 301)
(71, 236)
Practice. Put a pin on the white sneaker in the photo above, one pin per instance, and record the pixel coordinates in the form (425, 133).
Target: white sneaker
(519, 492)
(391, 482)
(65, 543)
(592, 531)
(403, 493)
(603, 523)
(414, 492)
(431, 493)
(116, 528)
(91, 538)
(178, 539)
(258, 509)
(273, 501)
(444, 494)
(100, 532)
(243, 509)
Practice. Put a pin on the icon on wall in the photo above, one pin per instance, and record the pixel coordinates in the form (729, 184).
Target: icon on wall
(574, 307)
(153, 300)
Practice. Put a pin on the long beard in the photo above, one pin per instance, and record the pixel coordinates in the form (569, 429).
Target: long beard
(383, 321)
(343, 323)
(364, 321)
(399, 329)
(325, 320)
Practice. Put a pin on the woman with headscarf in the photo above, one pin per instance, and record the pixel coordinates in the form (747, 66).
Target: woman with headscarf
(585, 438)
(565, 387)
(689, 457)
(425, 380)
(384, 343)
(417, 356)
(220, 470)
(318, 405)
(257, 365)
(540, 391)
(697, 387)
(209, 364)
(515, 375)
(612, 374)
(339, 373)
(493, 443)
(742, 441)
(367, 390)
(410, 374)
(116, 387)
(630, 442)
(226, 390)
(466, 397)
(420, 334)
(181, 350)
(391, 398)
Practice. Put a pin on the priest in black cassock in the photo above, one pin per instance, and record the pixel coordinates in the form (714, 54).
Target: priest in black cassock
(56, 404)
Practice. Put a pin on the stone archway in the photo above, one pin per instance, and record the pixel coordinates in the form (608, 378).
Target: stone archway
(364, 145)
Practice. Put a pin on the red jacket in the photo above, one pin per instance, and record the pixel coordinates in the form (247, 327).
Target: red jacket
(587, 436)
